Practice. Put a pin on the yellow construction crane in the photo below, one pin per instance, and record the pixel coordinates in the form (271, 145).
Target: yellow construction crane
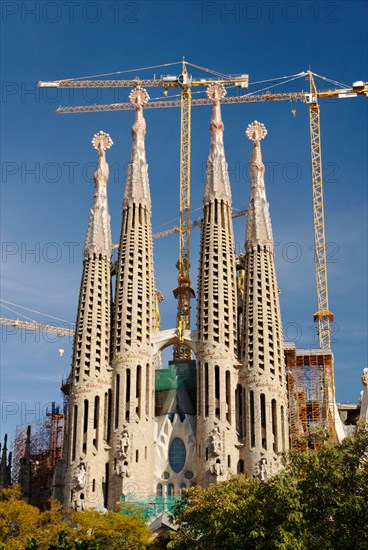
(323, 316)
(196, 224)
(185, 82)
(34, 325)
(28, 323)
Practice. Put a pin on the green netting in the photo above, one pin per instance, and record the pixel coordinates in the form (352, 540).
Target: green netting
(152, 505)
(175, 377)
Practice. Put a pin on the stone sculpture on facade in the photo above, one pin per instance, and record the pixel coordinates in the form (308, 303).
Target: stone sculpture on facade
(122, 469)
(81, 476)
(364, 399)
(124, 444)
(216, 441)
(263, 469)
(217, 469)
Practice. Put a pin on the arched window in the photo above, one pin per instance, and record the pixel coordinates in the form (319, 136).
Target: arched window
(171, 490)
(159, 490)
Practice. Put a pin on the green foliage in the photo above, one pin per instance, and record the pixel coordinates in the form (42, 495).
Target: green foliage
(318, 501)
(18, 520)
(23, 526)
(111, 530)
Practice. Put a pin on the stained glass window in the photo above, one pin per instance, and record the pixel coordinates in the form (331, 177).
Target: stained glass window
(177, 455)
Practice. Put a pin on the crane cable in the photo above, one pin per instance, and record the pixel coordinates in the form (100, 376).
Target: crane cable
(32, 310)
(331, 81)
(120, 72)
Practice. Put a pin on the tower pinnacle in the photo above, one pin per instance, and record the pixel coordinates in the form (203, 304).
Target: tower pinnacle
(98, 238)
(217, 185)
(259, 229)
(137, 186)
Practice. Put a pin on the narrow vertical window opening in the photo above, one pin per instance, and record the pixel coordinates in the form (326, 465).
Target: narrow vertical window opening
(127, 394)
(109, 407)
(85, 416)
(75, 424)
(206, 407)
(263, 421)
(117, 400)
(274, 426)
(217, 391)
(138, 390)
(228, 397)
(252, 427)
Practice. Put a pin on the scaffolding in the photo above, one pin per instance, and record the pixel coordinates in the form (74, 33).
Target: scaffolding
(35, 465)
(311, 396)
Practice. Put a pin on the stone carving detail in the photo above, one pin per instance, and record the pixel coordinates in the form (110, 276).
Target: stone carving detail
(217, 469)
(216, 441)
(123, 470)
(124, 444)
(263, 469)
(81, 476)
(365, 377)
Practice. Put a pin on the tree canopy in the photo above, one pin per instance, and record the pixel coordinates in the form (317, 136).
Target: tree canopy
(318, 501)
(23, 526)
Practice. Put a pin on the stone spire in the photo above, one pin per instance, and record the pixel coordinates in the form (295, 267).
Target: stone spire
(133, 325)
(4, 451)
(25, 468)
(137, 184)
(90, 388)
(263, 400)
(216, 316)
(5, 467)
(259, 229)
(217, 185)
(98, 238)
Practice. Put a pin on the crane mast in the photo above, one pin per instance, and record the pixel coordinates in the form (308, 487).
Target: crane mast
(184, 292)
(323, 316)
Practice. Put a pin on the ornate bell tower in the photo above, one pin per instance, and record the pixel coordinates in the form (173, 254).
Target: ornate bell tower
(217, 365)
(87, 450)
(132, 400)
(262, 396)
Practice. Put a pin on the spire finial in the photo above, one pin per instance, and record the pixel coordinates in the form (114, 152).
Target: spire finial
(259, 229)
(101, 141)
(137, 186)
(216, 92)
(256, 131)
(98, 232)
(139, 97)
(217, 183)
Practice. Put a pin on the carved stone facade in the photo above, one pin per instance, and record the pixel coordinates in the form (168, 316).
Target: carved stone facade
(135, 428)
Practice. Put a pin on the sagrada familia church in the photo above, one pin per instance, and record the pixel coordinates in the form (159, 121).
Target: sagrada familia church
(134, 426)
(234, 397)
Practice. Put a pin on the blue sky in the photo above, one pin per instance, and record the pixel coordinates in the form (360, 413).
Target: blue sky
(47, 162)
